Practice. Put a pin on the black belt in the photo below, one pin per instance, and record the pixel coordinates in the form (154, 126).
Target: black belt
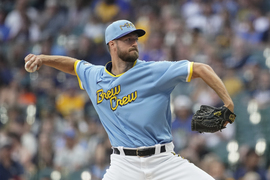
(140, 151)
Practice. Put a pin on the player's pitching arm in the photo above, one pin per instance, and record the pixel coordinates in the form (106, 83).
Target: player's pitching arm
(62, 63)
(207, 74)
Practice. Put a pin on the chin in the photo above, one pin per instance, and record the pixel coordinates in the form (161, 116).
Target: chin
(132, 58)
(129, 57)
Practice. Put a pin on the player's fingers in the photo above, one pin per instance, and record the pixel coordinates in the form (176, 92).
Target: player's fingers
(28, 57)
(225, 124)
(38, 62)
(31, 62)
(34, 63)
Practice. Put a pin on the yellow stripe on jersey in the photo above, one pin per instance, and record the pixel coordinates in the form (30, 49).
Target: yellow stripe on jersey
(118, 74)
(190, 71)
(75, 69)
(113, 74)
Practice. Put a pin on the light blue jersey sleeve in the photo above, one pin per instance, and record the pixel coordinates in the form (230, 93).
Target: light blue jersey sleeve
(84, 70)
(168, 74)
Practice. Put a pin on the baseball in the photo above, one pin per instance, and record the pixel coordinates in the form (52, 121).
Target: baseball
(30, 70)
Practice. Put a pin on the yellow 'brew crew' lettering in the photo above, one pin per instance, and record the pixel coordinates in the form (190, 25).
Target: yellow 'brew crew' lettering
(114, 101)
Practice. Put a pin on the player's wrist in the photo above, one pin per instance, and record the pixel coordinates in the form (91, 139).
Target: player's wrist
(41, 58)
(230, 106)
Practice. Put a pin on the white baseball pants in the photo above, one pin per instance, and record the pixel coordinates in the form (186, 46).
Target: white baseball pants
(161, 166)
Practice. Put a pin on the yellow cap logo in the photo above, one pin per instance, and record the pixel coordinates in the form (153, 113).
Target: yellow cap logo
(127, 25)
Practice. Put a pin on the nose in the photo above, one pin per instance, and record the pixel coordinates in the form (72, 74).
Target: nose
(135, 42)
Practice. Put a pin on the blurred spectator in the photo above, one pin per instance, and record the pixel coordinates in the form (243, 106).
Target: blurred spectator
(101, 55)
(239, 54)
(232, 82)
(173, 29)
(71, 157)
(5, 71)
(261, 23)
(9, 94)
(181, 125)
(26, 96)
(251, 163)
(107, 10)
(144, 22)
(52, 19)
(95, 134)
(207, 21)
(19, 152)
(101, 165)
(94, 29)
(85, 48)
(63, 101)
(15, 57)
(213, 166)
(154, 50)
(224, 37)
(251, 176)
(28, 139)
(90, 112)
(248, 32)
(45, 155)
(10, 169)
(204, 95)
(251, 75)
(213, 140)
(190, 8)
(22, 22)
(195, 149)
(78, 15)
(4, 29)
(262, 93)
(71, 45)
(229, 5)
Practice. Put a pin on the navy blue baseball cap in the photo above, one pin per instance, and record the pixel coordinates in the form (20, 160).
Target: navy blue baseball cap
(119, 29)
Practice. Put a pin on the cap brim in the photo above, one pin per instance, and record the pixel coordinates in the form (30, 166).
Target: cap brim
(140, 33)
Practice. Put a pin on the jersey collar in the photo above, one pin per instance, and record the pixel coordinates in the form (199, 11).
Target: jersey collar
(108, 68)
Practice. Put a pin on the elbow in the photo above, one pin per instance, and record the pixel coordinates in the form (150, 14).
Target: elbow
(72, 72)
(199, 69)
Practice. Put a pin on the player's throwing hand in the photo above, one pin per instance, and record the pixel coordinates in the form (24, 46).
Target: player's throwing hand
(32, 62)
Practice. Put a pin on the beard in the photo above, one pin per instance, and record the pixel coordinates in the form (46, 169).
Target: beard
(130, 56)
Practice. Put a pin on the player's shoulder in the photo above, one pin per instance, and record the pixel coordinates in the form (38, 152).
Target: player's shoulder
(160, 63)
(150, 63)
(86, 64)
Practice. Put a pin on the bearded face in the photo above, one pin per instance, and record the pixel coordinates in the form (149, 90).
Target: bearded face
(131, 55)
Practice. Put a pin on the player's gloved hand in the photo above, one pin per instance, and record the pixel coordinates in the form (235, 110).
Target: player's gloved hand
(211, 119)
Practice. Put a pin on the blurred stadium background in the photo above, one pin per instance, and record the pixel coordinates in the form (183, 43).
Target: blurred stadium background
(49, 129)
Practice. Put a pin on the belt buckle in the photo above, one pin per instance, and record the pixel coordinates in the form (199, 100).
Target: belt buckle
(138, 150)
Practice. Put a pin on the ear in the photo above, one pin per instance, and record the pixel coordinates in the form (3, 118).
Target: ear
(112, 45)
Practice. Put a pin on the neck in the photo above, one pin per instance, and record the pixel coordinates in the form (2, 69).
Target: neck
(120, 66)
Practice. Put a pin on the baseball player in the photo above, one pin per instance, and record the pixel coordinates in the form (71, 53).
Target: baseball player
(132, 99)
